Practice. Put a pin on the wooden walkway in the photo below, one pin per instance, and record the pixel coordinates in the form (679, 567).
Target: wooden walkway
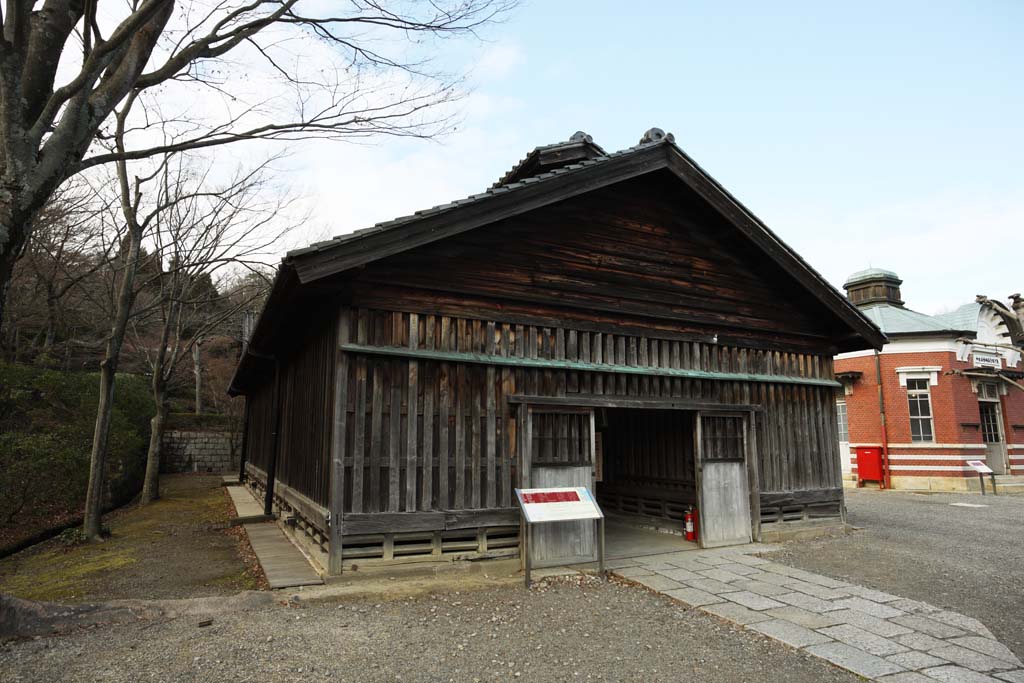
(283, 564)
(245, 504)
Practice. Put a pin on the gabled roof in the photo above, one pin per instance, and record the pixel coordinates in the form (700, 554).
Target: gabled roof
(517, 193)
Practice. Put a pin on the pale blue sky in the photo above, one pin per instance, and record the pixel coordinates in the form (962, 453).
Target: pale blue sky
(871, 133)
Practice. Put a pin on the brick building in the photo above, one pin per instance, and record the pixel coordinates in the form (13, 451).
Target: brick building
(950, 385)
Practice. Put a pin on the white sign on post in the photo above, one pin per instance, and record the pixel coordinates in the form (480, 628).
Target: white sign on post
(980, 467)
(558, 504)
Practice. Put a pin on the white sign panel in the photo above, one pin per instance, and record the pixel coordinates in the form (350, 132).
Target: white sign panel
(987, 360)
(980, 466)
(558, 504)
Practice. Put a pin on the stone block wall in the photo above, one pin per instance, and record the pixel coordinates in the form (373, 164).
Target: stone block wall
(199, 451)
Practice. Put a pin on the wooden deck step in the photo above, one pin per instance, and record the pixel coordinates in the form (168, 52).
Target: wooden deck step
(283, 564)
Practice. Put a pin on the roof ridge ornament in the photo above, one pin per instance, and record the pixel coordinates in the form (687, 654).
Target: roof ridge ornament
(580, 136)
(656, 135)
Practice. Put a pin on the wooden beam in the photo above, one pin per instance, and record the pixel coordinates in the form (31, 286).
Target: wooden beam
(552, 364)
(537, 403)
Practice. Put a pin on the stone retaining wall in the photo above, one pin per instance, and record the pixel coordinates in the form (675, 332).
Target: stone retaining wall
(196, 451)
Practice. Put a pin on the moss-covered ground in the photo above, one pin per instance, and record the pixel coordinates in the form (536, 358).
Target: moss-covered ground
(178, 547)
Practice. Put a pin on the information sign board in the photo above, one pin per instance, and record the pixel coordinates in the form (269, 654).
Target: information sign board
(980, 467)
(558, 504)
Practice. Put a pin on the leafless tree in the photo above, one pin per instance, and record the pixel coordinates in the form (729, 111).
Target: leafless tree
(339, 70)
(66, 249)
(202, 233)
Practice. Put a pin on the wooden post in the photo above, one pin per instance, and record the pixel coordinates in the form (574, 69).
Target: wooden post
(275, 442)
(338, 440)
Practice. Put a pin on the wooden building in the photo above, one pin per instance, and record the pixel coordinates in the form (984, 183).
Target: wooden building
(616, 320)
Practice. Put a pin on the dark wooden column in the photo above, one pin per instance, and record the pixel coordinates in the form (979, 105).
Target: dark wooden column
(338, 440)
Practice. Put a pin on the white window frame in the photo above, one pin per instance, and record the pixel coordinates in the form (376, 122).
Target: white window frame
(928, 372)
(931, 412)
(844, 421)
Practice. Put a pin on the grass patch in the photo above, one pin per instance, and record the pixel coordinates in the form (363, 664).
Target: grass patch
(56, 575)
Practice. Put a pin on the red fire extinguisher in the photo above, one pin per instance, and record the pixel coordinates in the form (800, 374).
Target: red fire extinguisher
(690, 521)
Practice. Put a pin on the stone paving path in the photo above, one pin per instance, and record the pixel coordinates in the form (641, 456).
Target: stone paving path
(878, 636)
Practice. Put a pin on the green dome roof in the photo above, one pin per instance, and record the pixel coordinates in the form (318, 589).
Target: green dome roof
(870, 274)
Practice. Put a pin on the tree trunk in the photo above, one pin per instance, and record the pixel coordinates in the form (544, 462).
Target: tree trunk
(91, 528)
(151, 485)
(198, 370)
(51, 325)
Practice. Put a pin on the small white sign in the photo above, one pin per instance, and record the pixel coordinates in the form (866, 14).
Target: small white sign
(987, 360)
(980, 466)
(558, 504)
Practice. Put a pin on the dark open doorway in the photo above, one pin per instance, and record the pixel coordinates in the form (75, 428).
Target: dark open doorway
(646, 478)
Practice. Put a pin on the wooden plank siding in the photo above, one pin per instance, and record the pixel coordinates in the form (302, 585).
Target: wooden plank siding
(306, 415)
(458, 451)
(644, 253)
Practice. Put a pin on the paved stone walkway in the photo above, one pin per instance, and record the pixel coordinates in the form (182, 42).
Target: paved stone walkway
(878, 636)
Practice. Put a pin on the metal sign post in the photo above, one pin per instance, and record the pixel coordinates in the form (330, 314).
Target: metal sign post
(562, 504)
(982, 469)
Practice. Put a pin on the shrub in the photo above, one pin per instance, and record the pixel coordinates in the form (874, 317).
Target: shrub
(46, 428)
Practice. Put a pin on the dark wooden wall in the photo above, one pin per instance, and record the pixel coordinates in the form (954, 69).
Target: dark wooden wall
(260, 426)
(305, 385)
(644, 253)
(307, 380)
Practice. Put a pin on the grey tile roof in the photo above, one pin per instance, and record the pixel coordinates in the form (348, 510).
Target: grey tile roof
(898, 320)
(472, 199)
(963, 318)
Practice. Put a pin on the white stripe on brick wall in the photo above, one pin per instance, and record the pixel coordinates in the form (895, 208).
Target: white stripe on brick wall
(918, 456)
(930, 468)
(916, 446)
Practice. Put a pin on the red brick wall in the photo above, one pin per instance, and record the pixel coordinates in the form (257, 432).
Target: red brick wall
(953, 403)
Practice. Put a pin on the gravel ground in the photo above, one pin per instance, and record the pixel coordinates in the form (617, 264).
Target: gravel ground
(919, 546)
(558, 632)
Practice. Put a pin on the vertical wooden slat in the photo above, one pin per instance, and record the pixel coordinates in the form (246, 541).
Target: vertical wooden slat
(505, 454)
(492, 419)
(395, 440)
(429, 390)
(412, 442)
(460, 438)
(476, 378)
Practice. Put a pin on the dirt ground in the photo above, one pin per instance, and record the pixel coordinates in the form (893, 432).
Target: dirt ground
(178, 547)
(929, 547)
(600, 632)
